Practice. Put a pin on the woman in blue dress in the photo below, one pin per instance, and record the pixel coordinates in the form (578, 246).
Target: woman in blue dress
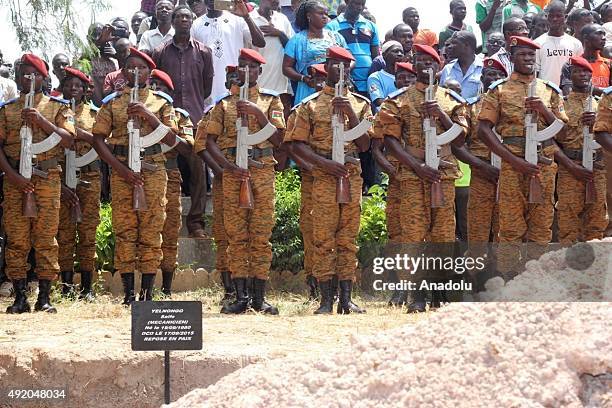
(309, 46)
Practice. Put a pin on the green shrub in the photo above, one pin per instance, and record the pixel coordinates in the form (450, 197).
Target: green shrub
(105, 240)
(373, 223)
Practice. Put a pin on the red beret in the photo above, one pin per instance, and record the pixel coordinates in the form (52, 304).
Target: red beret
(252, 55)
(426, 49)
(405, 66)
(495, 64)
(340, 53)
(516, 41)
(135, 53)
(582, 63)
(77, 74)
(318, 69)
(162, 76)
(36, 62)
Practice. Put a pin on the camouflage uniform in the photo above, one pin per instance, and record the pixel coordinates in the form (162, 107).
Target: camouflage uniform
(603, 123)
(401, 118)
(248, 231)
(172, 225)
(137, 234)
(504, 106)
(88, 191)
(40, 232)
(483, 212)
(218, 230)
(337, 225)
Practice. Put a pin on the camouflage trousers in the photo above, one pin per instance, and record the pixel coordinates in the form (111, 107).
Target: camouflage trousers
(520, 221)
(85, 251)
(483, 212)
(138, 234)
(248, 231)
(577, 220)
(306, 219)
(336, 227)
(392, 211)
(172, 225)
(218, 229)
(38, 233)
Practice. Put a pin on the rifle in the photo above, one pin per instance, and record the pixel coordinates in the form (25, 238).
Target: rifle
(139, 202)
(588, 150)
(246, 141)
(433, 142)
(342, 136)
(533, 139)
(29, 151)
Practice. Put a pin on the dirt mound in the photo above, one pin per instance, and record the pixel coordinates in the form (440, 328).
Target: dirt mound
(506, 354)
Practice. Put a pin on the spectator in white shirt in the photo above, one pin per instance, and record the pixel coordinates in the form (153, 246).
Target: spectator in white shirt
(152, 39)
(8, 89)
(557, 46)
(277, 28)
(226, 33)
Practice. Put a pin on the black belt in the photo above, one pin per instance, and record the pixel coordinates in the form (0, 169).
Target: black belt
(171, 163)
(328, 154)
(576, 154)
(520, 141)
(41, 165)
(121, 150)
(91, 167)
(254, 153)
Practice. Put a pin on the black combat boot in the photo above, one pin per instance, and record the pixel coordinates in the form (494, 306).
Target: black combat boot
(167, 282)
(128, 289)
(399, 298)
(146, 287)
(228, 287)
(67, 282)
(86, 293)
(334, 288)
(259, 303)
(241, 303)
(418, 303)
(43, 303)
(313, 285)
(20, 305)
(327, 298)
(345, 304)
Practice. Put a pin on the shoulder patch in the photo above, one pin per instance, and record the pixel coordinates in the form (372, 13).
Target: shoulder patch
(221, 97)
(268, 92)
(553, 86)
(3, 104)
(60, 100)
(397, 93)
(164, 95)
(360, 97)
(473, 100)
(109, 98)
(455, 95)
(182, 112)
(608, 90)
(497, 83)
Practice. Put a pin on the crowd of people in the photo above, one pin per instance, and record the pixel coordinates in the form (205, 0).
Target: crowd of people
(170, 99)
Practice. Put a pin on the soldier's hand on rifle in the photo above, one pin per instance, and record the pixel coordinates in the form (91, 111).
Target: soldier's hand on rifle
(524, 167)
(580, 173)
(32, 116)
(489, 172)
(535, 104)
(342, 104)
(20, 182)
(69, 197)
(139, 110)
(432, 109)
(428, 173)
(239, 172)
(249, 108)
(129, 176)
(334, 168)
(588, 119)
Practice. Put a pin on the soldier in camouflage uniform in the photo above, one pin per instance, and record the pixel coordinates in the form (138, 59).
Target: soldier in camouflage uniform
(504, 107)
(86, 196)
(405, 76)
(170, 234)
(248, 231)
(49, 117)
(579, 220)
(337, 225)
(603, 126)
(137, 233)
(401, 119)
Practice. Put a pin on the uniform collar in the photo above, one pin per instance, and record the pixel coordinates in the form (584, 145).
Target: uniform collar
(527, 79)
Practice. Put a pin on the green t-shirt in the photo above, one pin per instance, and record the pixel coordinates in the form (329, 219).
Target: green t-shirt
(449, 31)
(464, 181)
(515, 9)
